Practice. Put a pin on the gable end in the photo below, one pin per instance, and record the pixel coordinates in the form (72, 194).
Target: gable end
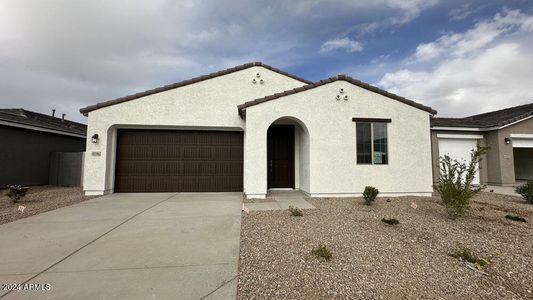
(242, 108)
(90, 108)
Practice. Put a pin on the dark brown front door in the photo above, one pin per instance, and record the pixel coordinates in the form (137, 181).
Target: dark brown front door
(178, 161)
(280, 156)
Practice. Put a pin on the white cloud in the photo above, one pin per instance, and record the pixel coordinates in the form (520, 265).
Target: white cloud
(347, 44)
(408, 10)
(481, 35)
(496, 77)
(461, 12)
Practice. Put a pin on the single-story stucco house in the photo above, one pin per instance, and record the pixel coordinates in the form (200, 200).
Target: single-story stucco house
(252, 128)
(28, 143)
(508, 133)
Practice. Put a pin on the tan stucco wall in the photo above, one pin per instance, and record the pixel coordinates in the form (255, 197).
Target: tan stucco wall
(497, 167)
(209, 104)
(492, 140)
(505, 160)
(332, 143)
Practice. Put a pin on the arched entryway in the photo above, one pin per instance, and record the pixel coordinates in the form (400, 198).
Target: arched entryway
(288, 155)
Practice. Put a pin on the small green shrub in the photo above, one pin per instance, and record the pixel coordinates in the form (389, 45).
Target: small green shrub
(526, 191)
(466, 254)
(516, 218)
(455, 185)
(390, 221)
(370, 193)
(322, 252)
(16, 192)
(295, 211)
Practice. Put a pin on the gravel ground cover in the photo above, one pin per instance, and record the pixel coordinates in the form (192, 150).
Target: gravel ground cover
(373, 260)
(39, 199)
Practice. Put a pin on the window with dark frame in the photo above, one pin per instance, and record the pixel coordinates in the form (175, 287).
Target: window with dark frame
(364, 143)
(372, 145)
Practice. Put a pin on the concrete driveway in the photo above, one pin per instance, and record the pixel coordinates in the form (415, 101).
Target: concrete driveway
(127, 246)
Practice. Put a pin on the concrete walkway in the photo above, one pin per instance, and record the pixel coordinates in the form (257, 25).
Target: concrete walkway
(281, 200)
(504, 190)
(127, 246)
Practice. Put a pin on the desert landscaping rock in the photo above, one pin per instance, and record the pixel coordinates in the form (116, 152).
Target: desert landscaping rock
(377, 261)
(38, 200)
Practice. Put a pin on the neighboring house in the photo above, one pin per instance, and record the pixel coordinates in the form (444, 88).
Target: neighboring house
(508, 133)
(253, 128)
(29, 139)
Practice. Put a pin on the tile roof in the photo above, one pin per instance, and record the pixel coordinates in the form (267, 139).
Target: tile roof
(88, 109)
(496, 118)
(359, 83)
(30, 118)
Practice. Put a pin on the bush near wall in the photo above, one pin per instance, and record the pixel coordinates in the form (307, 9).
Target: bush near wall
(526, 191)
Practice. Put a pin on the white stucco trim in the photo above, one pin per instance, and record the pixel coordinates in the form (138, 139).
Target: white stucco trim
(178, 127)
(255, 196)
(522, 140)
(460, 136)
(96, 192)
(460, 128)
(37, 128)
(521, 135)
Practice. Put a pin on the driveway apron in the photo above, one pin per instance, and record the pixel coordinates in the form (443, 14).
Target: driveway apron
(127, 246)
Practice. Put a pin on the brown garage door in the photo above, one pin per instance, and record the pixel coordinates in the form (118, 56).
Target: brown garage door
(178, 161)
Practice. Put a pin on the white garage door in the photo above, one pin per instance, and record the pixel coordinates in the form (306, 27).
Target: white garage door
(458, 147)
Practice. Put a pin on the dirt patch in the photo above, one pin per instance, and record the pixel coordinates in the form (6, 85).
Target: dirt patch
(39, 199)
(374, 260)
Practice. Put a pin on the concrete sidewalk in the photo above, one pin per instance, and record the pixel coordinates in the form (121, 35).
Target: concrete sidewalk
(281, 200)
(127, 246)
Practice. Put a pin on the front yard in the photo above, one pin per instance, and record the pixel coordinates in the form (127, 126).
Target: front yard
(38, 200)
(374, 260)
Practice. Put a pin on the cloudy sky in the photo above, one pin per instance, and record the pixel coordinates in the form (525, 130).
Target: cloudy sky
(460, 57)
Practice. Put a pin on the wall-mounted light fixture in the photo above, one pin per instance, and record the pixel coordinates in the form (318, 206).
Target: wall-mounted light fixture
(507, 140)
(94, 138)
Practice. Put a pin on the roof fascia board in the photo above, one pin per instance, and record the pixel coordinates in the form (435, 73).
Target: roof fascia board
(479, 128)
(37, 128)
(511, 124)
